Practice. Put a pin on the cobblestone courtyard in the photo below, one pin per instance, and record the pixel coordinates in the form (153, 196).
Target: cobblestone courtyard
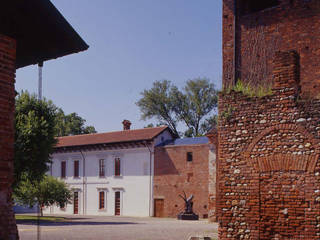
(118, 228)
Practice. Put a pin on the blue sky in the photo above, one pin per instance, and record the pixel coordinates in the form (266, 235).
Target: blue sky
(132, 43)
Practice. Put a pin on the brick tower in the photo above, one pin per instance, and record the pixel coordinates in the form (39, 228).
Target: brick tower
(254, 30)
(268, 168)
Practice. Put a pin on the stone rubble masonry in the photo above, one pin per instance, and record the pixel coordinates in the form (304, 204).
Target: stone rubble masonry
(8, 229)
(290, 25)
(268, 160)
(173, 175)
(213, 175)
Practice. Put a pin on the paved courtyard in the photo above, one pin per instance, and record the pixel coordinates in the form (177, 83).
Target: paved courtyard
(118, 228)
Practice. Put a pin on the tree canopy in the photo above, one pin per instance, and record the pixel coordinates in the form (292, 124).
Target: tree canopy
(34, 136)
(37, 123)
(194, 105)
(71, 124)
(158, 103)
(46, 192)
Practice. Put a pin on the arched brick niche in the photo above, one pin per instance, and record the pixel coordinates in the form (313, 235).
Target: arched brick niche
(285, 156)
(283, 147)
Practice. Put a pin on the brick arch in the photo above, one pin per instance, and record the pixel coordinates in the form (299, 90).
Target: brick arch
(283, 161)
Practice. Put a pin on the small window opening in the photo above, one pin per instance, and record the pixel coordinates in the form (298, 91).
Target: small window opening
(189, 157)
(252, 6)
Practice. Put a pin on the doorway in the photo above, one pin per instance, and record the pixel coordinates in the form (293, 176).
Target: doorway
(159, 207)
(117, 204)
(75, 203)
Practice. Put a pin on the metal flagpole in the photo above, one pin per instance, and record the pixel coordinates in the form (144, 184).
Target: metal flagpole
(40, 65)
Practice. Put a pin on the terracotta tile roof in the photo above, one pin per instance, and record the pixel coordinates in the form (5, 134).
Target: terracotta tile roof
(110, 137)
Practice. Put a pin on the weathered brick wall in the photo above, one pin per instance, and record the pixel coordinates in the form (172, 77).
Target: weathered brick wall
(8, 229)
(213, 138)
(269, 168)
(173, 175)
(291, 25)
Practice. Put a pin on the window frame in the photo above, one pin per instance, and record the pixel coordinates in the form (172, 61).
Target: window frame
(102, 169)
(76, 171)
(189, 157)
(63, 169)
(117, 167)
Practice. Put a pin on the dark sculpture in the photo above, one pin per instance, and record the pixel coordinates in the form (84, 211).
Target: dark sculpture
(188, 213)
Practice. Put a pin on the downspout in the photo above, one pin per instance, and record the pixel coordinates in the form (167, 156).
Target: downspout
(150, 179)
(84, 195)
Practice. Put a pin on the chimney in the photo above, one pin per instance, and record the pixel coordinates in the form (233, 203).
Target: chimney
(126, 124)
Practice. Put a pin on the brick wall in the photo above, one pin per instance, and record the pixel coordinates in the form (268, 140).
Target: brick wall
(8, 229)
(173, 175)
(291, 25)
(269, 168)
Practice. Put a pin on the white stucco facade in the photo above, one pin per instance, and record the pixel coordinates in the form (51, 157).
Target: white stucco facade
(134, 186)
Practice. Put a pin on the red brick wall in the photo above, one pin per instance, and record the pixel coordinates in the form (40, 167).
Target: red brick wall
(269, 168)
(293, 25)
(173, 175)
(8, 229)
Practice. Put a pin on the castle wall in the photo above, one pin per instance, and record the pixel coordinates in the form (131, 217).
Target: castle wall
(292, 25)
(268, 160)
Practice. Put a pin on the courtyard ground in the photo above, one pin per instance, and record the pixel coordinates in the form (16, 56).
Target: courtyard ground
(115, 228)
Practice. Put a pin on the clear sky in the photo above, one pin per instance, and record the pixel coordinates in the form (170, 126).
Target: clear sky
(132, 43)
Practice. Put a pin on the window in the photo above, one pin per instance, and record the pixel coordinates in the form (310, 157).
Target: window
(76, 169)
(189, 156)
(117, 167)
(251, 6)
(101, 200)
(101, 168)
(63, 169)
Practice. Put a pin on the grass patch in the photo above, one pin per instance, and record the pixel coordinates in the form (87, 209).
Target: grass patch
(32, 218)
(248, 90)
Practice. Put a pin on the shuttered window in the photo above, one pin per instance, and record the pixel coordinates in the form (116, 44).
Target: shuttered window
(76, 168)
(117, 167)
(63, 169)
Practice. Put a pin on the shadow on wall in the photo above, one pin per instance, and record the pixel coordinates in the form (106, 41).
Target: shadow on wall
(163, 164)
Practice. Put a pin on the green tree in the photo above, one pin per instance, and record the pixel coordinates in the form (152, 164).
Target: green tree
(158, 103)
(46, 192)
(71, 124)
(34, 136)
(193, 105)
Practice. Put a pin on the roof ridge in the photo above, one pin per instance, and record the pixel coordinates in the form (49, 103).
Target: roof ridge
(131, 130)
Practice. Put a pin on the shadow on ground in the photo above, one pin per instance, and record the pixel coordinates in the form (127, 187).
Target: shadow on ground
(71, 223)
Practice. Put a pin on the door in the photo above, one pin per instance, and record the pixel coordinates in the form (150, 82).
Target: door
(159, 207)
(117, 204)
(76, 203)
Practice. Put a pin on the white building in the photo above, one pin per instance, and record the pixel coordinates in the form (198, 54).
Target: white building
(109, 173)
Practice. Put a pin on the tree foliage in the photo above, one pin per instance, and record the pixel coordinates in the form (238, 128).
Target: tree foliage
(34, 136)
(71, 124)
(158, 103)
(46, 192)
(37, 123)
(194, 105)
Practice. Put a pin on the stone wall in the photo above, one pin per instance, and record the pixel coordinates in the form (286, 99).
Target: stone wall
(268, 160)
(290, 25)
(8, 229)
(174, 174)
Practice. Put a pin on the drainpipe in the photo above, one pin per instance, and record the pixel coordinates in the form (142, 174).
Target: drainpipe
(84, 187)
(151, 178)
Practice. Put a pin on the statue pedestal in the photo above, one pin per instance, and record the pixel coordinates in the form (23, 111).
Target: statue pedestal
(188, 216)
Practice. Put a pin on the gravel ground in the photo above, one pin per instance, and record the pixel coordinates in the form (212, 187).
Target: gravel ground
(119, 228)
